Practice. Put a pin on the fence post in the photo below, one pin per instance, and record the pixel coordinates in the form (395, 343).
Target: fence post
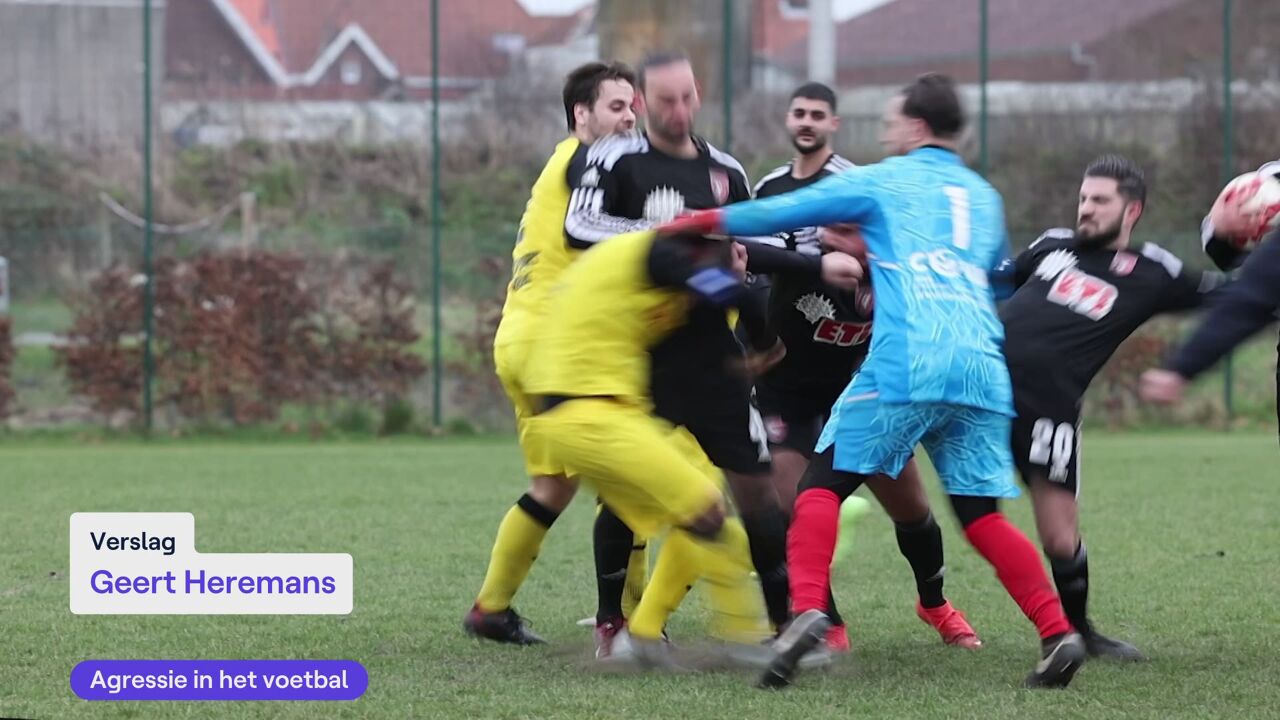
(104, 237)
(248, 222)
(148, 293)
(1228, 165)
(984, 61)
(726, 70)
(437, 411)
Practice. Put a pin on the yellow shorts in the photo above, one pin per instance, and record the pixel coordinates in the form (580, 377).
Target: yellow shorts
(509, 361)
(645, 470)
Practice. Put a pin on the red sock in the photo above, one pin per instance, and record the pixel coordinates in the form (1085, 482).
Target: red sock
(811, 541)
(1018, 566)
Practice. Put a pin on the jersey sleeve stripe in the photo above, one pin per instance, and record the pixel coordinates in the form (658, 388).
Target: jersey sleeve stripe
(1171, 263)
(728, 161)
(838, 164)
(1053, 234)
(606, 152)
(586, 224)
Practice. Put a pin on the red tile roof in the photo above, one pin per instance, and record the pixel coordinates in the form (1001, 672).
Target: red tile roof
(297, 32)
(910, 31)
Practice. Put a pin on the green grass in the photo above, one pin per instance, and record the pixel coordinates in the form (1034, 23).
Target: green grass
(1253, 367)
(47, 314)
(37, 380)
(1181, 528)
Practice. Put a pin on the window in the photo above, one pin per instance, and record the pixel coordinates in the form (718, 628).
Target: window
(510, 43)
(351, 71)
(794, 9)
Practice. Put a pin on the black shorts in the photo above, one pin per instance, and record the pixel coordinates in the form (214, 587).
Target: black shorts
(1046, 438)
(794, 420)
(716, 409)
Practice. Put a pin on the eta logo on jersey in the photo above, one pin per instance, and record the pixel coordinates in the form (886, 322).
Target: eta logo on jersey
(1079, 291)
(818, 309)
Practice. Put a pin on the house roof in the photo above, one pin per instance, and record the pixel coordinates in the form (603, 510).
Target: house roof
(911, 31)
(774, 30)
(295, 41)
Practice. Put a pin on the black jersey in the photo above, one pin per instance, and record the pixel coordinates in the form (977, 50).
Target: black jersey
(1074, 306)
(626, 184)
(827, 331)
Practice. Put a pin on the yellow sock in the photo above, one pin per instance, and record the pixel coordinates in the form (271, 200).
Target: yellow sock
(673, 574)
(736, 604)
(514, 550)
(637, 577)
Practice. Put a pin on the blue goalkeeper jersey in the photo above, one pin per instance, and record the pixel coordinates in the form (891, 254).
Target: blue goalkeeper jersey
(934, 230)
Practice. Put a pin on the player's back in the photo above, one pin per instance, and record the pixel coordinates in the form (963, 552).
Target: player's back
(540, 253)
(604, 316)
(937, 337)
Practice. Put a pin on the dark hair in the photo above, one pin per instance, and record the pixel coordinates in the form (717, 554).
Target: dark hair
(933, 99)
(816, 91)
(1131, 182)
(582, 87)
(658, 59)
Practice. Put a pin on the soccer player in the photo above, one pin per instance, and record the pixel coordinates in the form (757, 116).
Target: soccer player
(633, 181)
(1246, 306)
(827, 332)
(591, 373)
(1079, 294)
(1218, 233)
(935, 373)
(597, 102)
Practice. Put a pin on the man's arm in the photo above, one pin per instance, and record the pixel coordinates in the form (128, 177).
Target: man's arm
(1185, 290)
(841, 198)
(769, 260)
(1220, 249)
(846, 197)
(834, 268)
(1241, 309)
(594, 200)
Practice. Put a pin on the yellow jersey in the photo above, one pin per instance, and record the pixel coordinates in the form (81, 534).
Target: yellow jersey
(541, 252)
(604, 317)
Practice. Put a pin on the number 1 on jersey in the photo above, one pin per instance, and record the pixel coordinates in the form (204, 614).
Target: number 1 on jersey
(959, 198)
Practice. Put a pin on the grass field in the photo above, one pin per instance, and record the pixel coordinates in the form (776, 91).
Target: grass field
(1182, 530)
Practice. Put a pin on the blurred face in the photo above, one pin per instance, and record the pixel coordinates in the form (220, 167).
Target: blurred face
(671, 101)
(1103, 212)
(899, 134)
(811, 124)
(611, 113)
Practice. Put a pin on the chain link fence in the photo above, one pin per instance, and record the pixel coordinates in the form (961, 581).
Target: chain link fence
(301, 131)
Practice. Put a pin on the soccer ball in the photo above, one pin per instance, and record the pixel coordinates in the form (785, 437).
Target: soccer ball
(1261, 193)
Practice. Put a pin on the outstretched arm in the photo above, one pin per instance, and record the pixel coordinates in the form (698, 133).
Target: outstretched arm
(1243, 308)
(846, 197)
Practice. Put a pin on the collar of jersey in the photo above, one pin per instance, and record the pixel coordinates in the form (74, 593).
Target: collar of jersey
(936, 153)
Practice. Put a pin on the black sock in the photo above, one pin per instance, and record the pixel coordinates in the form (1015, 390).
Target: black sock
(921, 545)
(767, 534)
(611, 540)
(832, 613)
(1071, 575)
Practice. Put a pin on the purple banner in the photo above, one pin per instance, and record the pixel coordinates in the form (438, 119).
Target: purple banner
(121, 680)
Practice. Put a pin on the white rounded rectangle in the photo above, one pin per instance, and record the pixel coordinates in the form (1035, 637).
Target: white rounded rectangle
(147, 564)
